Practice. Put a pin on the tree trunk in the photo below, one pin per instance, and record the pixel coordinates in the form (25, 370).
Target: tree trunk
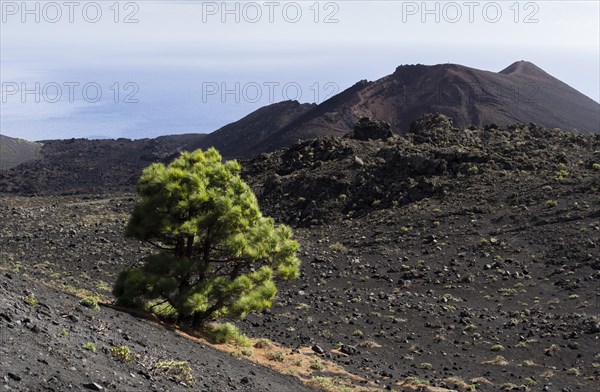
(179, 247)
(201, 317)
(190, 246)
(181, 319)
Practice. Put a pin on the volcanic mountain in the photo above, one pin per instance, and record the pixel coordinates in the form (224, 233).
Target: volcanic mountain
(15, 151)
(521, 93)
(246, 136)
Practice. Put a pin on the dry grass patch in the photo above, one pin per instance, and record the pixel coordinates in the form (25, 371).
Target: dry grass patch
(498, 360)
(481, 381)
(421, 385)
(457, 382)
(369, 344)
(328, 375)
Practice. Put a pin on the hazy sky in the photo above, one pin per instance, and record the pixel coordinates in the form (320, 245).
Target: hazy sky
(191, 66)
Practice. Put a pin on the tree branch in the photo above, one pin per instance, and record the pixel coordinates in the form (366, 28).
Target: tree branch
(159, 246)
(236, 271)
(200, 317)
(160, 303)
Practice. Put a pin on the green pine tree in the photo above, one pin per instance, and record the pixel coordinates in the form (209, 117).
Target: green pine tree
(217, 255)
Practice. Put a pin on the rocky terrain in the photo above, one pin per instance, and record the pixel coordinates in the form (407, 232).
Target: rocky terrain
(317, 180)
(463, 253)
(449, 258)
(82, 166)
(50, 342)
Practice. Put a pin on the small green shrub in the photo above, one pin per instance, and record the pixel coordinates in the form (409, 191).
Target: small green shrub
(101, 285)
(499, 360)
(91, 302)
(329, 384)
(416, 381)
(122, 353)
(263, 343)
(497, 347)
(317, 365)
(302, 306)
(369, 344)
(551, 350)
(178, 371)
(507, 292)
(561, 175)
(30, 300)
(338, 247)
(426, 366)
(530, 382)
(276, 356)
(243, 341)
(298, 362)
(227, 333)
(90, 346)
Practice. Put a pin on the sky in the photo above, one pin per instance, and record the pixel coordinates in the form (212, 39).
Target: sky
(146, 68)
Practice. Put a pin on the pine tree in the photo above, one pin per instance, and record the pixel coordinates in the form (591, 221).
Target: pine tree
(216, 254)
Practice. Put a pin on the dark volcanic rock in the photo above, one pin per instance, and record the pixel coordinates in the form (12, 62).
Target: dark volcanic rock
(367, 129)
(321, 180)
(92, 386)
(431, 123)
(349, 350)
(316, 348)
